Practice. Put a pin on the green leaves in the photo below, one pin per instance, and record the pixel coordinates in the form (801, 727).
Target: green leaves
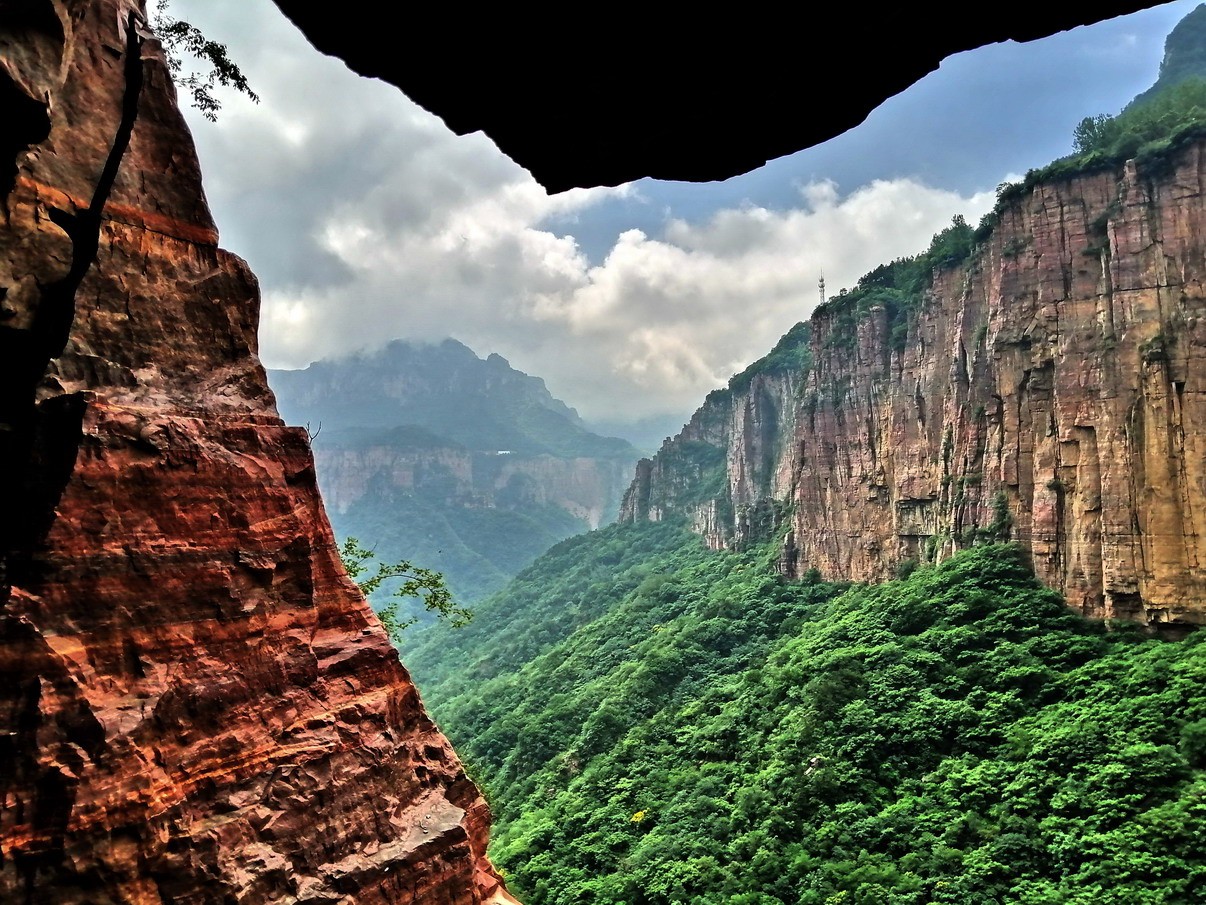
(180, 37)
(1091, 133)
(959, 736)
(415, 581)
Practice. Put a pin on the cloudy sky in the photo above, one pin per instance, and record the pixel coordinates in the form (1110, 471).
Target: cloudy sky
(367, 220)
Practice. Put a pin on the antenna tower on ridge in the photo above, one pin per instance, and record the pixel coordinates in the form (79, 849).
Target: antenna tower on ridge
(821, 285)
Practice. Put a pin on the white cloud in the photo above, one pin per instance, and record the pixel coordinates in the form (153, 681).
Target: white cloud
(652, 329)
(367, 220)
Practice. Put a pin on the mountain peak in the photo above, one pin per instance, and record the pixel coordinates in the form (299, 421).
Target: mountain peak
(444, 389)
(1184, 54)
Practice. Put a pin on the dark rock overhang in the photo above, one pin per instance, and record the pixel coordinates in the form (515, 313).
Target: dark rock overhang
(584, 96)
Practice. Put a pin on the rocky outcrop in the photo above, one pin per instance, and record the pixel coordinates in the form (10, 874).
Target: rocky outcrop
(196, 704)
(1049, 391)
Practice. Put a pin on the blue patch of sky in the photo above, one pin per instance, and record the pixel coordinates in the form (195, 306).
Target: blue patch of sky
(980, 117)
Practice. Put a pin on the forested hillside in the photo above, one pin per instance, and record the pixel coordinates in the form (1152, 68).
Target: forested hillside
(687, 726)
(427, 453)
(678, 709)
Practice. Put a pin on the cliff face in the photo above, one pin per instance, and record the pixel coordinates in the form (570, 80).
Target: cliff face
(1049, 391)
(196, 704)
(586, 488)
(413, 415)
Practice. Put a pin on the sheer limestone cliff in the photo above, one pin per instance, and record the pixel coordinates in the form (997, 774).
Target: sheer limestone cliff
(195, 702)
(1049, 390)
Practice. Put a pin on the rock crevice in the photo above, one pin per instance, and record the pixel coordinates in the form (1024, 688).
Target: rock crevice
(196, 704)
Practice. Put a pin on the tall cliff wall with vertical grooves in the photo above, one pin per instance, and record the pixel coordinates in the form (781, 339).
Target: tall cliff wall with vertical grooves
(1050, 390)
(195, 702)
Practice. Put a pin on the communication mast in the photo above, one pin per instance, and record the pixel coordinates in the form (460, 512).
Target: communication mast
(821, 286)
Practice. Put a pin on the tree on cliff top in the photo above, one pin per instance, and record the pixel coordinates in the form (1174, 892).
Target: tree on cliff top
(179, 37)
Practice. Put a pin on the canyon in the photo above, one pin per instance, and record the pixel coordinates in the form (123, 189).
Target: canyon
(428, 453)
(197, 704)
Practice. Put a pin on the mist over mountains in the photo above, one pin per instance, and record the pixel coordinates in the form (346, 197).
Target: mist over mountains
(428, 453)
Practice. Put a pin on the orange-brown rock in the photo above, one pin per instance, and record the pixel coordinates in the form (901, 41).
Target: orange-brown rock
(1050, 391)
(196, 704)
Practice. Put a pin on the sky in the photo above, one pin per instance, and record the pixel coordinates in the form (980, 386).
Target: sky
(367, 220)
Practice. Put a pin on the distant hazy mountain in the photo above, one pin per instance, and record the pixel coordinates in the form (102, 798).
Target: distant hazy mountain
(480, 404)
(1184, 55)
(462, 464)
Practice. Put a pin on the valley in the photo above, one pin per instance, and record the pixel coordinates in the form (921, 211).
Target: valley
(908, 611)
(425, 452)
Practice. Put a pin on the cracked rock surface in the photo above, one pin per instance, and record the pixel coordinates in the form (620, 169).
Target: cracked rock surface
(196, 704)
(1051, 390)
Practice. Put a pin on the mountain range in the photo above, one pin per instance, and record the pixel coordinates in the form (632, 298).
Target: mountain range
(427, 453)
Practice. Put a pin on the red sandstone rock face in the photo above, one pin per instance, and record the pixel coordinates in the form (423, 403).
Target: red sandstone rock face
(196, 704)
(1059, 379)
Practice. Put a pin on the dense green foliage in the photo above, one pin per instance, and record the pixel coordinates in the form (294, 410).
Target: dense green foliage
(690, 728)
(572, 585)
(1143, 130)
(1151, 133)
(183, 39)
(658, 723)
(1151, 129)
(478, 549)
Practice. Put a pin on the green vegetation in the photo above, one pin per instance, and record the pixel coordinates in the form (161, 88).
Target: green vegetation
(571, 586)
(899, 288)
(1144, 130)
(1151, 130)
(656, 723)
(1184, 54)
(407, 582)
(685, 726)
(704, 468)
(477, 549)
(440, 448)
(179, 37)
(791, 354)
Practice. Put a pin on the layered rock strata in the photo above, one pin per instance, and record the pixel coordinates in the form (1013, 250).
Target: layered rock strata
(1050, 391)
(196, 705)
(587, 488)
